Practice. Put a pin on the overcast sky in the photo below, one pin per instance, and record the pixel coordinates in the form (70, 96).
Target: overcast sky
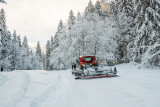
(38, 19)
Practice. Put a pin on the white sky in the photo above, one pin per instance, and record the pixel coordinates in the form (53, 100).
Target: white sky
(38, 19)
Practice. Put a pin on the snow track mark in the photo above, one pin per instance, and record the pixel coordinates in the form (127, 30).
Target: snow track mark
(3, 79)
(20, 94)
(37, 102)
(55, 94)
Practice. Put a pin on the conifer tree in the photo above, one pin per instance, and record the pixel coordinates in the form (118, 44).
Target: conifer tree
(98, 9)
(52, 43)
(39, 57)
(15, 49)
(79, 17)
(3, 1)
(123, 13)
(113, 9)
(71, 20)
(39, 52)
(60, 25)
(5, 44)
(55, 42)
(90, 8)
(44, 60)
(25, 54)
(3, 19)
(147, 41)
(25, 45)
(19, 41)
(48, 52)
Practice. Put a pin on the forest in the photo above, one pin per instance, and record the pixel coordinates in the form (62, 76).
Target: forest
(123, 31)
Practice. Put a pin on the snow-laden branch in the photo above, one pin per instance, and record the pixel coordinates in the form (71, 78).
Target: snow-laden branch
(3, 1)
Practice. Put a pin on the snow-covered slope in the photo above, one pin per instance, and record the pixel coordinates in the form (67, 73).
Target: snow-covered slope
(134, 88)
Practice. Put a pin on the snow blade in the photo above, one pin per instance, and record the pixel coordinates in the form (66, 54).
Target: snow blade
(94, 77)
(102, 76)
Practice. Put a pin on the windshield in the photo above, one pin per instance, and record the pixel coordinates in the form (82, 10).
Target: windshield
(88, 58)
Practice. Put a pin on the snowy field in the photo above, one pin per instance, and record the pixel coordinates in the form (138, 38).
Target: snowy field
(134, 88)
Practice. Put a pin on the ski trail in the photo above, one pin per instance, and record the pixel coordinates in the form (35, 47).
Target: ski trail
(62, 92)
(3, 79)
(20, 94)
(54, 95)
(37, 102)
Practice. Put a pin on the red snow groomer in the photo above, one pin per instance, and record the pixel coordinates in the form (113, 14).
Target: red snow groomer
(89, 68)
(87, 61)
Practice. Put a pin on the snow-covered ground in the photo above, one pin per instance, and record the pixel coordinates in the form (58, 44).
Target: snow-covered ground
(134, 88)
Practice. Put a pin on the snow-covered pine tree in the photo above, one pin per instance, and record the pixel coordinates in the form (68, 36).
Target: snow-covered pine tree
(19, 40)
(25, 46)
(89, 9)
(52, 43)
(60, 25)
(2, 20)
(48, 52)
(60, 40)
(34, 63)
(44, 60)
(38, 51)
(3, 1)
(147, 42)
(112, 9)
(79, 34)
(1, 45)
(15, 50)
(71, 20)
(5, 44)
(6, 55)
(25, 54)
(98, 9)
(79, 17)
(39, 56)
(55, 41)
(123, 13)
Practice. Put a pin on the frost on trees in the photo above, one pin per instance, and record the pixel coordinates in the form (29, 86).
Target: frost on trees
(123, 13)
(89, 35)
(71, 20)
(15, 55)
(5, 44)
(48, 52)
(3, 1)
(39, 56)
(148, 30)
(89, 9)
(120, 36)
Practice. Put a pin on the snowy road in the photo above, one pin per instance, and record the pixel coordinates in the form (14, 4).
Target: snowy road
(134, 88)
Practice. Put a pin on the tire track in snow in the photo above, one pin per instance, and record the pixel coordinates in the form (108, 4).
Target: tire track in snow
(54, 94)
(37, 102)
(62, 93)
(20, 94)
(3, 79)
